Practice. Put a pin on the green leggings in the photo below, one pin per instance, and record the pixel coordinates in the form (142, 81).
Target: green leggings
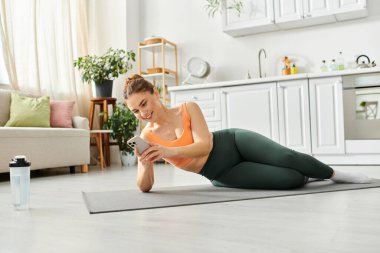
(245, 159)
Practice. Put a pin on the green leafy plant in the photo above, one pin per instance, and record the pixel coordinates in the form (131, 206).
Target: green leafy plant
(123, 124)
(213, 6)
(106, 67)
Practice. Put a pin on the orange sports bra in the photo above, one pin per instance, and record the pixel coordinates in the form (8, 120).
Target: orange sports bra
(185, 139)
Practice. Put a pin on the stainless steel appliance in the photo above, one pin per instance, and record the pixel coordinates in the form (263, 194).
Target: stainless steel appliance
(361, 99)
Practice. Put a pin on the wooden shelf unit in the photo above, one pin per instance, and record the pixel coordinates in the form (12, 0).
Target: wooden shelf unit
(161, 47)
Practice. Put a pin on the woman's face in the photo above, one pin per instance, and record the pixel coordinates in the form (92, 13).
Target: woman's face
(144, 105)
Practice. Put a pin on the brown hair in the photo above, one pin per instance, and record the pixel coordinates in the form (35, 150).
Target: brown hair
(136, 84)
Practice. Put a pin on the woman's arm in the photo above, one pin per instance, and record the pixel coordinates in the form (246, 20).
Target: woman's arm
(145, 176)
(145, 172)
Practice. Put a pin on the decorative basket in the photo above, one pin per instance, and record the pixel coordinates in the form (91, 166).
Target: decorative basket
(155, 71)
(152, 40)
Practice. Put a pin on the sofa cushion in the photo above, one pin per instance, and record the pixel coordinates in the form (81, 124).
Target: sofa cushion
(29, 112)
(61, 113)
(5, 101)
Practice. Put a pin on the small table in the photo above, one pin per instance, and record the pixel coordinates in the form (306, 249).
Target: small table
(97, 135)
(103, 104)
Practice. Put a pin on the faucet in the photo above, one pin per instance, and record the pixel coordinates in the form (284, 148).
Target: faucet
(265, 54)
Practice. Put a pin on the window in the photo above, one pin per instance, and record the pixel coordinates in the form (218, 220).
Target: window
(3, 71)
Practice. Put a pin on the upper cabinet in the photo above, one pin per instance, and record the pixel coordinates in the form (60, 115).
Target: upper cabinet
(298, 13)
(257, 16)
(268, 15)
(349, 9)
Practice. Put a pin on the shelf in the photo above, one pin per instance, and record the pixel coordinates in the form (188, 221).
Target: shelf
(166, 71)
(157, 71)
(152, 46)
(164, 42)
(158, 75)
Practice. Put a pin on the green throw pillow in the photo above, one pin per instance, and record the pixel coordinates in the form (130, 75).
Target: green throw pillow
(29, 112)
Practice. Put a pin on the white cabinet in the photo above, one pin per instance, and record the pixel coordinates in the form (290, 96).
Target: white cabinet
(305, 115)
(298, 13)
(251, 107)
(316, 8)
(286, 11)
(326, 115)
(257, 16)
(350, 5)
(207, 99)
(350, 9)
(279, 111)
(293, 114)
(269, 15)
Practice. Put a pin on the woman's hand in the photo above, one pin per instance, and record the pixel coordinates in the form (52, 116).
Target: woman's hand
(145, 163)
(155, 153)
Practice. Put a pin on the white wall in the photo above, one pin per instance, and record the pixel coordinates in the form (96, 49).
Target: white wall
(187, 24)
(114, 23)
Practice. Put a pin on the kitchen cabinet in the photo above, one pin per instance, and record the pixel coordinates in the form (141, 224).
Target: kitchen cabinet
(305, 114)
(207, 99)
(326, 115)
(293, 114)
(270, 15)
(251, 107)
(279, 111)
(257, 16)
(349, 9)
(298, 13)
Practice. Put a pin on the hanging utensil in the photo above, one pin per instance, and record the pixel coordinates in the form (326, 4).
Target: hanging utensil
(196, 67)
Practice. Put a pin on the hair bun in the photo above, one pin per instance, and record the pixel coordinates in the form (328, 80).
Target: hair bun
(134, 77)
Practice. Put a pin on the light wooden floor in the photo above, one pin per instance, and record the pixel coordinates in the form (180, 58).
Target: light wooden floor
(59, 222)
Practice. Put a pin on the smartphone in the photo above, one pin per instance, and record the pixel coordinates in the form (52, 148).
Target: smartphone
(139, 143)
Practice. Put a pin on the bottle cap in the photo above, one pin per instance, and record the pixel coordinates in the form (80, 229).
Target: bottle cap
(19, 161)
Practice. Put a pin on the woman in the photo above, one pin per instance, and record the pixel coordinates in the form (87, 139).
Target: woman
(229, 158)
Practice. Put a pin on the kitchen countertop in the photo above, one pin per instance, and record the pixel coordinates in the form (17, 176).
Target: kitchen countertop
(274, 79)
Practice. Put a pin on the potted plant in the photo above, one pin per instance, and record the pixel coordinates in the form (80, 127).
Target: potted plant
(123, 124)
(102, 70)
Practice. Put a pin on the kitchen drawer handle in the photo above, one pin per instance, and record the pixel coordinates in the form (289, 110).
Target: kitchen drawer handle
(194, 97)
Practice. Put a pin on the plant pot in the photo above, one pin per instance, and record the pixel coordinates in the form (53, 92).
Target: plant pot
(127, 159)
(104, 89)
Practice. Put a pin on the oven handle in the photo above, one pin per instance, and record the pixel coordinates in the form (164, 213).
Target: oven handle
(360, 87)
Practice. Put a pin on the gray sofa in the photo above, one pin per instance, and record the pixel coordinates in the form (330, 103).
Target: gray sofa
(43, 147)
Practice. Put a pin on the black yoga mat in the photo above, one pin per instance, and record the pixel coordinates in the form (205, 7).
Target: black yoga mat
(128, 200)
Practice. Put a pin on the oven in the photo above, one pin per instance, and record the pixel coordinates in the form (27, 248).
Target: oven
(361, 102)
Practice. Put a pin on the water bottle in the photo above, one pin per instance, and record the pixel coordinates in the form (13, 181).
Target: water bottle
(340, 61)
(19, 169)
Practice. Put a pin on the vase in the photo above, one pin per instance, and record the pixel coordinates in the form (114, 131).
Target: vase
(127, 159)
(104, 89)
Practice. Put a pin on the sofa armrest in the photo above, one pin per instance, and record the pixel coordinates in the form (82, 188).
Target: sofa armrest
(80, 122)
